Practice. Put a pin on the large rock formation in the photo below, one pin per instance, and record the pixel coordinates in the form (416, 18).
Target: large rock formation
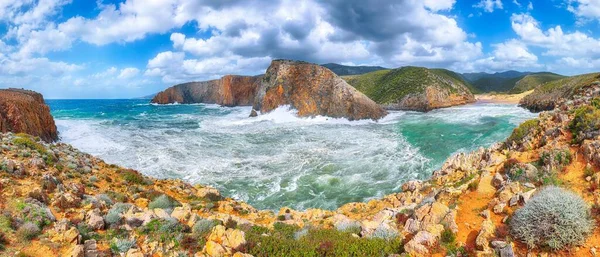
(313, 90)
(25, 111)
(414, 88)
(551, 94)
(228, 91)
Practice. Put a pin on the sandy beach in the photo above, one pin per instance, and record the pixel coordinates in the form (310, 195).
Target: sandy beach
(501, 98)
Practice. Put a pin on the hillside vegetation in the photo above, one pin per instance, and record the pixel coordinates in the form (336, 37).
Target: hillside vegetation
(548, 95)
(392, 87)
(531, 81)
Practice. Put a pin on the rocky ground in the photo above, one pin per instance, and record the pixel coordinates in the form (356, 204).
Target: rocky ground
(57, 201)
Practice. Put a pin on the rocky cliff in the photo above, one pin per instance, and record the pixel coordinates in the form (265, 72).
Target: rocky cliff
(312, 90)
(547, 96)
(230, 90)
(24, 111)
(413, 88)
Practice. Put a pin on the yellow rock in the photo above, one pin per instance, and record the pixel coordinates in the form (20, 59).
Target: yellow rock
(141, 202)
(214, 249)
(234, 238)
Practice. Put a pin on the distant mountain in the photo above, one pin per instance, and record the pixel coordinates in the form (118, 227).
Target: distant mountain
(546, 96)
(343, 70)
(413, 88)
(146, 97)
(497, 82)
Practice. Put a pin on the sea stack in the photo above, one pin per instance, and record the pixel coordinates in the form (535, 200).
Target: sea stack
(229, 90)
(25, 111)
(312, 90)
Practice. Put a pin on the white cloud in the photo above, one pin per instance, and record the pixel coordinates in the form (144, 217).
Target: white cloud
(128, 73)
(530, 6)
(438, 5)
(517, 3)
(585, 9)
(489, 5)
(554, 40)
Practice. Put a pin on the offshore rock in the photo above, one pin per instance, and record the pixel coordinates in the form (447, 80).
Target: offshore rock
(313, 90)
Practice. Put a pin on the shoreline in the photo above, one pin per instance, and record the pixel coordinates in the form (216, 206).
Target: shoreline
(501, 98)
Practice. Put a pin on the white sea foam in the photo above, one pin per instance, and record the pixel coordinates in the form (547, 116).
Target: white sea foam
(273, 160)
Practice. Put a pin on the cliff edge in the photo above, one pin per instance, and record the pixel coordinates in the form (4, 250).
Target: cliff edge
(24, 111)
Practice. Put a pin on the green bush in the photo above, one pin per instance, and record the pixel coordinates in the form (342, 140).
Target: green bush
(164, 230)
(553, 218)
(522, 131)
(161, 202)
(203, 227)
(28, 231)
(586, 119)
(132, 176)
(118, 246)
(26, 141)
(283, 241)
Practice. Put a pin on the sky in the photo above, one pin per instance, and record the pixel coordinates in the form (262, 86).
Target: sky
(132, 48)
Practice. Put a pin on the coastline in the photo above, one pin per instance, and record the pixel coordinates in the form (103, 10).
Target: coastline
(501, 98)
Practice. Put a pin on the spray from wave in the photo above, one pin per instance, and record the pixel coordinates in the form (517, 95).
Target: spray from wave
(278, 159)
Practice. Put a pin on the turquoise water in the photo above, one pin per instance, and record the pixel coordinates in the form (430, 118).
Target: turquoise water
(278, 159)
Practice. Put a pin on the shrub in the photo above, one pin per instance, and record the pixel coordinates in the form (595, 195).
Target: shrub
(161, 202)
(26, 141)
(554, 218)
(203, 227)
(164, 230)
(121, 245)
(28, 231)
(522, 131)
(385, 232)
(3, 241)
(5, 223)
(105, 199)
(132, 176)
(348, 226)
(93, 179)
(586, 119)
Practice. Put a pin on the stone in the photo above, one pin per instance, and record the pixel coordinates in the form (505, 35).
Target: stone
(412, 186)
(134, 253)
(66, 201)
(234, 239)
(418, 245)
(77, 251)
(513, 200)
(312, 90)
(487, 231)
(182, 213)
(499, 208)
(95, 220)
(497, 181)
(214, 249)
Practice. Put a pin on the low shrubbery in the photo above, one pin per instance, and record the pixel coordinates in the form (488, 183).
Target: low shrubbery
(161, 202)
(28, 231)
(554, 218)
(585, 120)
(522, 131)
(118, 246)
(132, 176)
(287, 240)
(164, 230)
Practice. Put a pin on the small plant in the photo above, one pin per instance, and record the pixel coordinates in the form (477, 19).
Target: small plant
(203, 227)
(586, 119)
(132, 176)
(348, 226)
(385, 232)
(161, 202)
(118, 246)
(3, 241)
(28, 231)
(554, 218)
(448, 237)
(473, 186)
(93, 179)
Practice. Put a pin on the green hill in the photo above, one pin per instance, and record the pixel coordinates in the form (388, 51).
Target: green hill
(531, 81)
(547, 95)
(413, 88)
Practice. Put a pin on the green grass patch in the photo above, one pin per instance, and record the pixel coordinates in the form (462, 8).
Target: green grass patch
(523, 130)
(287, 240)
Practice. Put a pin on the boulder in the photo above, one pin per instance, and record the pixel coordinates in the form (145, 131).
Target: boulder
(312, 90)
(95, 220)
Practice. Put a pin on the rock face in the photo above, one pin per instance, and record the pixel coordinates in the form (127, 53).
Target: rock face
(553, 93)
(313, 90)
(414, 88)
(24, 111)
(230, 90)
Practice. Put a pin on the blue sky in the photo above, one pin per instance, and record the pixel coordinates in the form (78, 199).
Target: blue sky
(130, 48)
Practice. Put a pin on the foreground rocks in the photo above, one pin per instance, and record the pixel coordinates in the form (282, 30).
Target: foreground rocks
(312, 90)
(229, 90)
(24, 111)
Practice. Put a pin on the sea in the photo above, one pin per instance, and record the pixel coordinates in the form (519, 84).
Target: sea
(277, 159)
